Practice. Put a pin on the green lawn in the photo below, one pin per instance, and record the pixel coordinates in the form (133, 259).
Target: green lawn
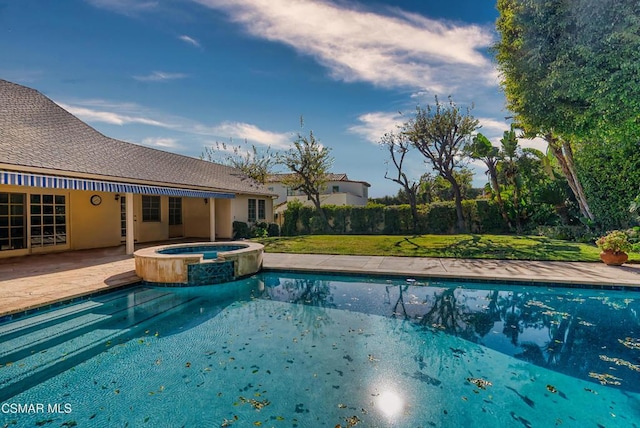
(459, 246)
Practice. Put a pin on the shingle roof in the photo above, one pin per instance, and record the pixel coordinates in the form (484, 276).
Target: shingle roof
(36, 132)
(276, 178)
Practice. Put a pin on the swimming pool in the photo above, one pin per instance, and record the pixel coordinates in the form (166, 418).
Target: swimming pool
(299, 350)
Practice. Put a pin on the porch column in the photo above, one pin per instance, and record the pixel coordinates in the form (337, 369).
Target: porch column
(212, 219)
(129, 214)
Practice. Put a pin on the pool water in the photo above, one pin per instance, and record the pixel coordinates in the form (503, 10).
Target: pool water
(297, 350)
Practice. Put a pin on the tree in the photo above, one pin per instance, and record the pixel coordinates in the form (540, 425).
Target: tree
(253, 163)
(310, 163)
(398, 145)
(441, 133)
(570, 72)
(482, 149)
(509, 154)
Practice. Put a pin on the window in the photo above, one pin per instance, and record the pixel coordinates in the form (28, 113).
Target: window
(261, 209)
(175, 211)
(12, 221)
(48, 220)
(150, 208)
(251, 213)
(123, 217)
(336, 189)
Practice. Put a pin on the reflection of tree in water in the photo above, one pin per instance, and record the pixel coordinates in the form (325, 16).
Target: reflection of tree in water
(302, 292)
(561, 330)
(309, 291)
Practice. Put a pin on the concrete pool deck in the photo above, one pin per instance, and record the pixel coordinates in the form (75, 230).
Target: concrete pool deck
(33, 281)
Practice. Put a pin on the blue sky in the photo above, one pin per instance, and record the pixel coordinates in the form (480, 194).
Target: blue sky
(180, 75)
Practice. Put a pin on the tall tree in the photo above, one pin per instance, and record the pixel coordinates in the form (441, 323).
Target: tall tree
(309, 163)
(571, 73)
(398, 145)
(510, 170)
(441, 133)
(482, 149)
(254, 163)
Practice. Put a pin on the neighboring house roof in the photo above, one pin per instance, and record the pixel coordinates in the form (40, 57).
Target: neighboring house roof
(36, 132)
(277, 178)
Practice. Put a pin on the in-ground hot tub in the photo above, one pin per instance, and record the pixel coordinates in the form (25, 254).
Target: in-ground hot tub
(202, 263)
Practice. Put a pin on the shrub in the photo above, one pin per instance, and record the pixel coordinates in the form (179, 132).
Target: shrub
(259, 230)
(240, 230)
(566, 233)
(273, 229)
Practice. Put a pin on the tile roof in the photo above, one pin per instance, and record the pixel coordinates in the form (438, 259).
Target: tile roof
(36, 132)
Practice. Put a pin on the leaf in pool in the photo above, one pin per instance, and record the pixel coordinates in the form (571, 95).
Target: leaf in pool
(141, 341)
(342, 406)
(258, 423)
(93, 416)
(620, 362)
(352, 421)
(479, 382)
(552, 389)
(630, 343)
(372, 358)
(605, 378)
(158, 361)
(146, 332)
(69, 424)
(591, 391)
(188, 364)
(146, 419)
(117, 391)
(42, 422)
(156, 335)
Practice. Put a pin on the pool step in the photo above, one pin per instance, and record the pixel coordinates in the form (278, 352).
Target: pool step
(103, 303)
(47, 334)
(57, 355)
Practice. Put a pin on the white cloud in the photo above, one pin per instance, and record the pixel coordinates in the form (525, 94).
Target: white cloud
(189, 40)
(131, 114)
(249, 132)
(397, 49)
(163, 143)
(160, 76)
(374, 125)
(492, 126)
(110, 117)
(535, 143)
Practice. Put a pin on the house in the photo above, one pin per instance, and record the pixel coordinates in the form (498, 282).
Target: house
(339, 190)
(65, 186)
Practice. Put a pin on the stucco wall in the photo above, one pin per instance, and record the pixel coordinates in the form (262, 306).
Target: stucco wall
(224, 229)
(195, 217)
(93, 226)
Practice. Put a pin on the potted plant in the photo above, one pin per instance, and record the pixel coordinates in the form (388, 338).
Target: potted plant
(614, 246)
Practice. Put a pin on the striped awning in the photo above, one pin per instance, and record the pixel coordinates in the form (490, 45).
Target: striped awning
(70, 183)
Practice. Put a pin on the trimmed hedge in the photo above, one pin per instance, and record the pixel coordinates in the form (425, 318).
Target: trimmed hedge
(481, 216)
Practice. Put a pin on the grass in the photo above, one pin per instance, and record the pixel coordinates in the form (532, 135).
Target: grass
(452, 246)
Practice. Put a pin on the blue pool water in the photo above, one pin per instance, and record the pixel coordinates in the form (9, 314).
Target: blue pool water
(297, 350)
(208, 251)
